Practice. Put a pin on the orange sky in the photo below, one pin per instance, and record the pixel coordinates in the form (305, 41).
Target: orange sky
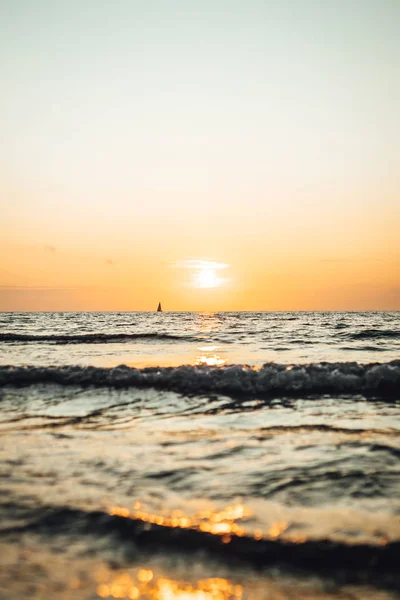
(262, 136)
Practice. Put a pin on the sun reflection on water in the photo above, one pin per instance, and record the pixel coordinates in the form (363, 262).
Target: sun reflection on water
(146, 584)
(211, 360)
(209, 357)
(222, 523)
(208, 322)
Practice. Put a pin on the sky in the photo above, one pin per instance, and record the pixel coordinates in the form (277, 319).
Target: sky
(211, 155)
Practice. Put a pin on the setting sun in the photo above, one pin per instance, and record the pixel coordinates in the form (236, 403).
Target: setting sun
(204, 273)
(207, 278)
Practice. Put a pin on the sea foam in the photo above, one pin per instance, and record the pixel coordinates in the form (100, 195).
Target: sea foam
(375, 379)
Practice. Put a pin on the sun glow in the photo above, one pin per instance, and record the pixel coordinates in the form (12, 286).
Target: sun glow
(207, 278)
(205, 272)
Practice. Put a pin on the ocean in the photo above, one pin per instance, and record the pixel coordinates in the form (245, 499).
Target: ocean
(200, 456)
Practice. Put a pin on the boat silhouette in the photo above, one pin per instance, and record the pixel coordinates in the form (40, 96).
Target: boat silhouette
(159, 309)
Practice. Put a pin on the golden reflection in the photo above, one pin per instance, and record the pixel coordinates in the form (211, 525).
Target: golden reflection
(208, 348)
(211, 360)
(222, 523)
(209, 357)
(145, 584)
(208, 322)
(145, 575)
(277, 528)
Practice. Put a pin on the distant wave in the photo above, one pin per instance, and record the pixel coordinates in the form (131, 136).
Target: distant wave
(375, 379)
(92, 338)
(373, 334)
(363, 348)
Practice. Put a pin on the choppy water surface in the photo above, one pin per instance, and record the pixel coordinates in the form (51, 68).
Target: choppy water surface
(143, 339)
(231, 455)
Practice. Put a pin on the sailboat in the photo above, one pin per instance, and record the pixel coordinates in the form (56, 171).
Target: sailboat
(159, 309)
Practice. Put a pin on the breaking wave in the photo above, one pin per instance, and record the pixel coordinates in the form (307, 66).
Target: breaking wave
(375, 379)
(316, 555)
(92, 338)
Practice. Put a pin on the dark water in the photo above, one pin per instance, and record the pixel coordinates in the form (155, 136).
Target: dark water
(230, 455)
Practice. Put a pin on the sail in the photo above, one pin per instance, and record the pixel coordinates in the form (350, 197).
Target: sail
(159, 309)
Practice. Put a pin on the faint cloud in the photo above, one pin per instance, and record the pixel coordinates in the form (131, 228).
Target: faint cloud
(110, 261)
(50, 249)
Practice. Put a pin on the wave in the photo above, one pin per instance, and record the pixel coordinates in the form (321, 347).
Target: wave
(312, 555)
(374, 334)
(92, 338)
(272, 380)
(363, 348)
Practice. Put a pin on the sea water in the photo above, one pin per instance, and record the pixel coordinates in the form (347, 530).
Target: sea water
(217, 455)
